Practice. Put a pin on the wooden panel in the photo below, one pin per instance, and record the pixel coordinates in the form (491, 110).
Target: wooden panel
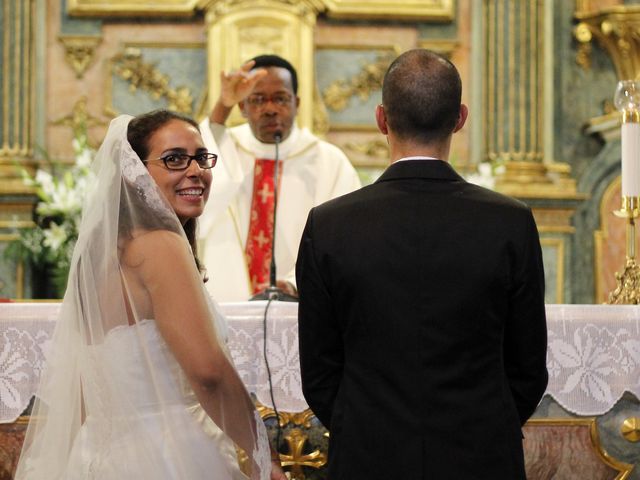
(11, 438)
(568, 448)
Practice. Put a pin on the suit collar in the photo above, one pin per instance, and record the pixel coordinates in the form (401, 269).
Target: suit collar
(431, 169)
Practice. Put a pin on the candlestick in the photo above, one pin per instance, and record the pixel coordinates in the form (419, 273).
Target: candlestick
(627, 289)
(627, 100)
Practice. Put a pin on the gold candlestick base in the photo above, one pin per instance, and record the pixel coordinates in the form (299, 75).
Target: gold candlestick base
(627, 289)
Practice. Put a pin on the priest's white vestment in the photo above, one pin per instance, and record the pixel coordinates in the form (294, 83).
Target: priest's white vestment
(313, 171)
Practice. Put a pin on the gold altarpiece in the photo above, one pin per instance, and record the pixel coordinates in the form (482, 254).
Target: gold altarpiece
(247, 29)
(240, 29)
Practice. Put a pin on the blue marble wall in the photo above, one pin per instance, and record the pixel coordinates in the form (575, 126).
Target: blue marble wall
(580, 95)
(185, 66)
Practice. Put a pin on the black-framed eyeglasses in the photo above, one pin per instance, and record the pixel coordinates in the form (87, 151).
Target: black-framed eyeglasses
(278, 99)
(181, 161)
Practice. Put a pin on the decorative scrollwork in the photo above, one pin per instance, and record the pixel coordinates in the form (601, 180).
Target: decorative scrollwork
(79, 52)
(296, 440)
(627, 291)
(302, 419)
(129, 66)
(296, 458)
(375, 148)
(617, 30)
(337, 95)
(79, 119)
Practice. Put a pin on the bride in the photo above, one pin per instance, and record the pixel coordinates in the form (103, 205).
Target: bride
(139, 383)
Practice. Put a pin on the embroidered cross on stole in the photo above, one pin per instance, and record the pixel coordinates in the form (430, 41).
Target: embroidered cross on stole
(260, 235)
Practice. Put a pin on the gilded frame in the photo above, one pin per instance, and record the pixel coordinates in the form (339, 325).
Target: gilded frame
(433, 10)
(130, 8)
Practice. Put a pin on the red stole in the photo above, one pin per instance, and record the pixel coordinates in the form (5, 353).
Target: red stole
(260, 235)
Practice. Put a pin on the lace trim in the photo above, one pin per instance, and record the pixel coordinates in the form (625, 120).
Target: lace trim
(261, 452)
(134, 171)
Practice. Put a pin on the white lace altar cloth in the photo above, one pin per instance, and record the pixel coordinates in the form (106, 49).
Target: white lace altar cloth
(26, 330)
(593, 355)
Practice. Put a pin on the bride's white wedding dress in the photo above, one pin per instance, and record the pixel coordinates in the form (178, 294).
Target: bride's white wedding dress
(103, 449)
(113, 402)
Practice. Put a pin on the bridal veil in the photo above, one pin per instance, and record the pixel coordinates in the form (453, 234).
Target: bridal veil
(109, 367)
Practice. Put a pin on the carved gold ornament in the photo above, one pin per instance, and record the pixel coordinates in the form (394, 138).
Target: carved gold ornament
(631, 429)
(616, 29)
(627, 289)
(79, 51)
(337, 95)
(296, 440)
(296, 458)
(79, 119)
(130, 66)
(301, 419)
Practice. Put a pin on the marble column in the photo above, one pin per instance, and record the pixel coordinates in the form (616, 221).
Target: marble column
(17, 129)
(513, 90)
(18, 89)
(517, 101)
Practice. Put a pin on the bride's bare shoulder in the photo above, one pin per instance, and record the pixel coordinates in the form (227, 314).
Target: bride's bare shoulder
(160, 245)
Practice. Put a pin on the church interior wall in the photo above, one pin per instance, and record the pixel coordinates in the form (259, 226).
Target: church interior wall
(86, 84)
(109, 68)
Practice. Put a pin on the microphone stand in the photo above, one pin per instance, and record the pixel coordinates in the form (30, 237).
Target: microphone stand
(273, 292)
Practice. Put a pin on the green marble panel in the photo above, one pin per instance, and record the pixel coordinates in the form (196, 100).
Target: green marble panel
(185, 66)
(344, 64)
(7, 271)
(550, 260)
(78, 26)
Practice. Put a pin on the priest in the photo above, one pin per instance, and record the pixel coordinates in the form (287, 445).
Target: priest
(236, 229)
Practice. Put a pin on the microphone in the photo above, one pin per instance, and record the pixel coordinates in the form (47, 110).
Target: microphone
(272, 292)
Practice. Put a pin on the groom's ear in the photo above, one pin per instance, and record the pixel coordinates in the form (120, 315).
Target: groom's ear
(381, 120)
(462, 117)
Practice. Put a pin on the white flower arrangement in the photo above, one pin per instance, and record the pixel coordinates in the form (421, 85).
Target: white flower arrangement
(485, 176)
(61, 191)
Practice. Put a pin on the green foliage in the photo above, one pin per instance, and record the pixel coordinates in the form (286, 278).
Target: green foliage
(61, 192)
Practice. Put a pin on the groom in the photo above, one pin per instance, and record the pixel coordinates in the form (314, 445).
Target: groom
(422, 321)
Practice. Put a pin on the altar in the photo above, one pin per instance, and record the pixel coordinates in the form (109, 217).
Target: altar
(587, 422)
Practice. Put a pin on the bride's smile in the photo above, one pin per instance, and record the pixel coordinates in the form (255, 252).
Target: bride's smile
(187, 189)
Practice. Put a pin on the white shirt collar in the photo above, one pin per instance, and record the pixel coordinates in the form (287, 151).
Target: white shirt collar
(415, 158)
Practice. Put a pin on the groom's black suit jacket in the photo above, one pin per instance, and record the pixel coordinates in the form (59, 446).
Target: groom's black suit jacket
(422, 327)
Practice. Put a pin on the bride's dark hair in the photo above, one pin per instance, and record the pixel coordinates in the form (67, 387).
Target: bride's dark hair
(139, 132)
